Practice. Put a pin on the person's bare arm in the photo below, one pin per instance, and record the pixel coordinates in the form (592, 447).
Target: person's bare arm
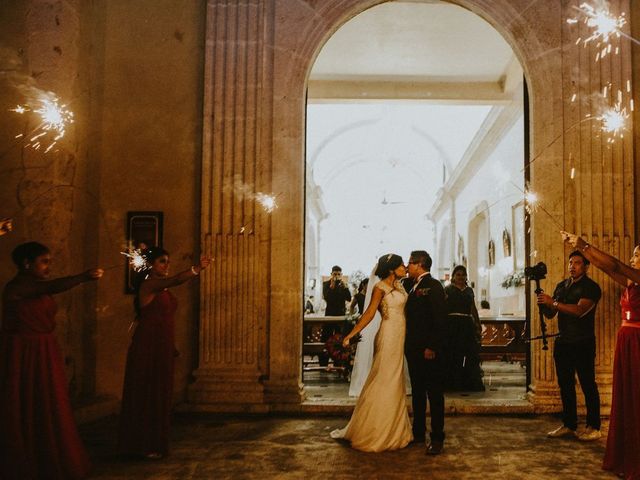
(367, 316)
(579, 309)
(29, 288)
(617, 270)
(153, 286)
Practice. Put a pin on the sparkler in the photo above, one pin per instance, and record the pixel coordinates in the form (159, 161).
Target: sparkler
(54, 119)
(267, 201)
(614, 121)
(136, 259)
(531, 201)
(605, 26)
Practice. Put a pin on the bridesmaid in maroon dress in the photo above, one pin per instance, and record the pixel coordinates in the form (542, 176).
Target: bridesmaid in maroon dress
(38, 436)
(622, 455)
(148, 382)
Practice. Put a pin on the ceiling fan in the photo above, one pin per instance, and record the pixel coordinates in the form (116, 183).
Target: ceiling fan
(386, 202)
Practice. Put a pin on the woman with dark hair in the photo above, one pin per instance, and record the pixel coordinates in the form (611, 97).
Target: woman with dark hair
(463, 335)
(380, 420)
(38, 435)
(148, 381)
(622, 455)
(358, 298)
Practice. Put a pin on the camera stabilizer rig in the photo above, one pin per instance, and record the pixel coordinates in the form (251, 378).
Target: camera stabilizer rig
(536, 273)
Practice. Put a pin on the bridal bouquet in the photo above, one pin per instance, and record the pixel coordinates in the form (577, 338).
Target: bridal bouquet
(342, 356)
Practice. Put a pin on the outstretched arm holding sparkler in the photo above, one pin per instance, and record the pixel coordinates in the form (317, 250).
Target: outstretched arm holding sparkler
(33, 261)
(157, 284)
(156, 278)
(617, 270)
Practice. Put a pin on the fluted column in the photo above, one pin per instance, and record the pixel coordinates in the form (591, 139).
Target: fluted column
(236, 231)
(592, 192)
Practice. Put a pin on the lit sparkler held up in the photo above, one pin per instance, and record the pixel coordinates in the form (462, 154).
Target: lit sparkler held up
(267, 201)
(136, 259)
(605, 25)
(54, 119)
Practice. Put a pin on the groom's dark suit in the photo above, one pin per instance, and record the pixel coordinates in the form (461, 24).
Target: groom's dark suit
(426, 314)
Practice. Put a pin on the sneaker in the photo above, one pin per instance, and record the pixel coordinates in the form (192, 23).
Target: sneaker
(561, 431)
(589, 434)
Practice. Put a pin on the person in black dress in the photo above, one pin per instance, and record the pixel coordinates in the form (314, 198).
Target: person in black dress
(358, 298)
(463, 335)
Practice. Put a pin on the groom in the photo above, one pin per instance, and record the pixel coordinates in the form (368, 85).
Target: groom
(425, 311)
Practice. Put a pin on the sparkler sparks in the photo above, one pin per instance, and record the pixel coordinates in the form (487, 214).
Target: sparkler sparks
(614, 121)
(605, 26)
(531, 201)
(54, 119)
(268, 202)
(136, 259)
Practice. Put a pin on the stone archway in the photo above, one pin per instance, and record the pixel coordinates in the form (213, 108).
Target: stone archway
(258, 57)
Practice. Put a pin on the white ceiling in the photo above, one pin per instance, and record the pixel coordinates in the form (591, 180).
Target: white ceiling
(432, 41)
(404, 90)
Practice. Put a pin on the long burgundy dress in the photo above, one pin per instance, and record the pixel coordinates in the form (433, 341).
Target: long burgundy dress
(148, 381)
(622, 455)
(38, 435)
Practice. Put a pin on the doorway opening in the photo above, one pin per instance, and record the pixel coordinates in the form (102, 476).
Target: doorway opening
(415, 141)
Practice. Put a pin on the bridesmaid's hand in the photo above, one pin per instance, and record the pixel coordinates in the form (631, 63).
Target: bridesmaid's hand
(94, 273)
(346, 341)
(204, 263)
(574, 240)
(6, 225)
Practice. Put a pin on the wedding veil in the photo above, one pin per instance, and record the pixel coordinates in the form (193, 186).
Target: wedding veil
(364, 352)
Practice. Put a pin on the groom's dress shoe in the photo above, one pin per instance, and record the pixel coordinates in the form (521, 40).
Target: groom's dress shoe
(434, 448)
(417, 440)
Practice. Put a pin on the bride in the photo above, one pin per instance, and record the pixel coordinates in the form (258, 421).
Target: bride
(380, 420)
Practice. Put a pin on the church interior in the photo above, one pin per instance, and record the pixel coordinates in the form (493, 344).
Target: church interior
(279, 138)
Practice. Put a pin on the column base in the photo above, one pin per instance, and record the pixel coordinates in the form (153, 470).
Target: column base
(284, 395)
(545, 398)
(227, 390)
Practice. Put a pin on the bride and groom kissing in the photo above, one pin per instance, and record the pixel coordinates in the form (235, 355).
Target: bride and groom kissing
(412, 305)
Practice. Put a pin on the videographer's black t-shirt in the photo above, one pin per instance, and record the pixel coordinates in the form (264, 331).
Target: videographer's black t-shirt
(575, 329)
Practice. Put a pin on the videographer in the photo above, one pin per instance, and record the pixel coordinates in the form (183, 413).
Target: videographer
(336, 293)
(574, 301)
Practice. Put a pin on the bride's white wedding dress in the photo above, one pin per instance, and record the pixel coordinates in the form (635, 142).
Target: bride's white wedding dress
(380, 420)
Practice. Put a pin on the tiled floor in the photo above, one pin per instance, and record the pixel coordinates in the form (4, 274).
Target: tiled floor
(219, 447)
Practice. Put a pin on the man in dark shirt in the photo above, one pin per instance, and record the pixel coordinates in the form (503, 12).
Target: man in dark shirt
(574, 301)
(336, 294)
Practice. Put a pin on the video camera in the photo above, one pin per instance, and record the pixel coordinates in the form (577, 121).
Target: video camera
(536, 272)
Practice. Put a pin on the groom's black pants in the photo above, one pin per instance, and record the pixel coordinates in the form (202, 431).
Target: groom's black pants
(426, 381)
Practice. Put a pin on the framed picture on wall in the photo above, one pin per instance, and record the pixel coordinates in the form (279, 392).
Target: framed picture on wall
(144, 230)
(517, 215)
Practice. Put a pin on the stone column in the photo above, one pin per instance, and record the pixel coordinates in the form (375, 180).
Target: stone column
(236, 231)
(592, 193)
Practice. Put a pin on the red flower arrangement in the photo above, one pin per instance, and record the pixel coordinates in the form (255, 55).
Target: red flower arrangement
(342, 356)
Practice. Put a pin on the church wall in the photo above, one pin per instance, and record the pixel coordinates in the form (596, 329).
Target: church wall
(132, 72)
(149, 153)
(493, 197)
